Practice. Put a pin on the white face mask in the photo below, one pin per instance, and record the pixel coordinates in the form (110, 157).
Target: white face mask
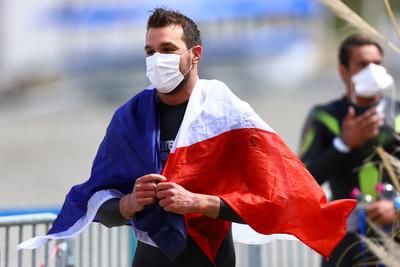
(371, 80)
(163, 71)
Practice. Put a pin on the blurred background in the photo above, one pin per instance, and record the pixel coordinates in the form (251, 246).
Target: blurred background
(66, 65)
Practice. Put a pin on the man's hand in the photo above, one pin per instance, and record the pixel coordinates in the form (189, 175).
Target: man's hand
(175, 198)
(144, 193)
(382, 212)
(357, 130)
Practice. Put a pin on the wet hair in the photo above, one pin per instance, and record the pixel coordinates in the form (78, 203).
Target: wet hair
(355, 40)
(162, 17)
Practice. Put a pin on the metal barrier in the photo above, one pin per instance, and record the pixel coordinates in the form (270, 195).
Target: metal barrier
(97, 246)
(13, 230)
(276, 254)
(100, 246)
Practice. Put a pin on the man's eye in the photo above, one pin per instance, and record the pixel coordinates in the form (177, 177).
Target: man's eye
(149, 53)
(168, 50)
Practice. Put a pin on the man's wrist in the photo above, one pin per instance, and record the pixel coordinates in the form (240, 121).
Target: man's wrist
(123, 208)
(340, 146)
(209, 205)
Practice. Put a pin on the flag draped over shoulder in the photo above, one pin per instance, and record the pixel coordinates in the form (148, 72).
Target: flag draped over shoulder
(128, 151)
(223, 148)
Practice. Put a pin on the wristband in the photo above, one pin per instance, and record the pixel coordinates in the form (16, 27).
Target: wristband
(340, 146)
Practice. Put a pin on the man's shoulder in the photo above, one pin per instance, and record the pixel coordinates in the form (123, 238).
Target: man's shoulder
(143, 96)
(217, 90)
(213, 84)
(140, 101)
(328, 115)
(333, 107)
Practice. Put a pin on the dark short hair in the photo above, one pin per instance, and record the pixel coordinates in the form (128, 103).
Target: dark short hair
(355, 40)
(162, 17)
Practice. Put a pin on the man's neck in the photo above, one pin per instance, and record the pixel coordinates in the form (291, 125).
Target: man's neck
(362, 101)
(368, 101)
(180, 94)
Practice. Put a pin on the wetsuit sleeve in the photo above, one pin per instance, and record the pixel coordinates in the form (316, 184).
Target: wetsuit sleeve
(317, 151)
(110, 215)
(226, 213)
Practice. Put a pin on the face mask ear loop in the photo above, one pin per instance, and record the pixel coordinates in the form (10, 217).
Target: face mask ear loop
(191, 64)
(389, 109)
(353, 97)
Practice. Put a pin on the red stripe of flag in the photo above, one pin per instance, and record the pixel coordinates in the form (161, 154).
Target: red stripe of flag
(264, 182)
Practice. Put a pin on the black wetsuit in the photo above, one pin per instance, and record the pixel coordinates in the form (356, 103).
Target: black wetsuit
(344, 171)
(148, 256)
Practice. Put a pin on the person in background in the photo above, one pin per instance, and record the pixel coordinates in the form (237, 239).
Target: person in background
(339, 139)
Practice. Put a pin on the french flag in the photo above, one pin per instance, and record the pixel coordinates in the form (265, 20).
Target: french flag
(223, 148)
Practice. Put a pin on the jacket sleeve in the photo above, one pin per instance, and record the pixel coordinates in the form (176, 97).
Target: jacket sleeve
(110, 215)
(226, 213)
(317, 151)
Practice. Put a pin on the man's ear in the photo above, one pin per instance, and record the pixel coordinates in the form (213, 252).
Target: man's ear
(344, 73)
(197, 52)
(346, 78)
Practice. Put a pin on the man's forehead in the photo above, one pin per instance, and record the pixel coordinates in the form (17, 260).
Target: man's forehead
(365, 52)
(171, 33)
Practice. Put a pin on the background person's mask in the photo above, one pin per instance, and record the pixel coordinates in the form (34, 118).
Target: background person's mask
(374, 80)
(163, 71)
(371, 80)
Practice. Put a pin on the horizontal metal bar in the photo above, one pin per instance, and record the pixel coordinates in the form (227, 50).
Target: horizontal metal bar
(17, 211)
(27, 219)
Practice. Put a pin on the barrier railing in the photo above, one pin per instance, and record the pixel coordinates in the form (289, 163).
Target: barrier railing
(103, 247)
(97, 246)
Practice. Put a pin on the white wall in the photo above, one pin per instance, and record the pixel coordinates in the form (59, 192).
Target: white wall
(26, 41)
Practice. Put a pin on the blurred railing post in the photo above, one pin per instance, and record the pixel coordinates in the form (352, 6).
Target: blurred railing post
(254, 255)
(71, 253)
(61, 255)
(65, 254)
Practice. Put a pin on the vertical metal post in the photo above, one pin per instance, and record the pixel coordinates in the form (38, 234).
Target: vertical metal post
(20, 233)
(33, 251)
(119, 252)
(60, 255)
(110, 248)
(70, 261)
(80, 250)
(254, 255)
(7, 246)
(283, 252)
(46, 248)
(100, 245)
(90, 241)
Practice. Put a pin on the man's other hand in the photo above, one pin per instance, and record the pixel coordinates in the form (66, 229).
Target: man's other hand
(144, 193)
(174, 198)
(357, 130)
(382, 212)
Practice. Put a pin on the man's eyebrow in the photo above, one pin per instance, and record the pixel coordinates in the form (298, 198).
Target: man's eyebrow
(168, 43)
(163, 44)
